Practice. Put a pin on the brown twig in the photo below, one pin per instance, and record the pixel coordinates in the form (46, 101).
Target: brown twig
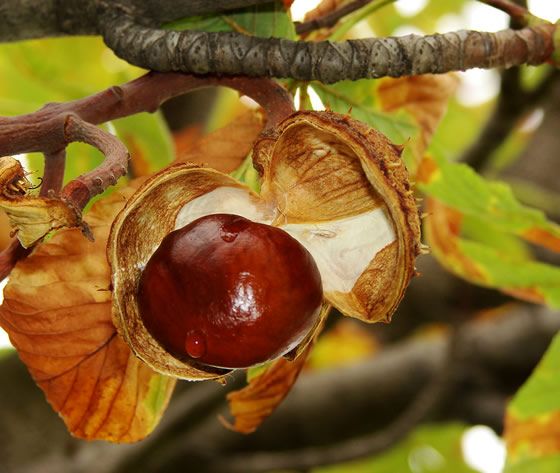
(82, 189)
(330, 18)
(54, 126)
(10, 256)
(43, 130)
(53, 175)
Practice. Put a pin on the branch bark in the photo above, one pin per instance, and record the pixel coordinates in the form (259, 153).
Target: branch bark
(236, 54)
(30, 19)
(130, 29)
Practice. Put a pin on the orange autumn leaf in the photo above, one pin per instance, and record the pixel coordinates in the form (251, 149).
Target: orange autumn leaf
(226, 148)
(255, 402)
(542, 237)
(424, 97)
(57, 312)
(185, 138)
(442, 228)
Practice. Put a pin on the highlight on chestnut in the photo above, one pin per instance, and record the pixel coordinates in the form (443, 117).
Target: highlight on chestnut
(228, 292)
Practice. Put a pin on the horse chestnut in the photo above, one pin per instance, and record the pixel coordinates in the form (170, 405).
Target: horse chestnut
(229, 292)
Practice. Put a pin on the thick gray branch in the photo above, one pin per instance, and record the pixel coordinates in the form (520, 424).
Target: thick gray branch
(237, 54)
(28, 19)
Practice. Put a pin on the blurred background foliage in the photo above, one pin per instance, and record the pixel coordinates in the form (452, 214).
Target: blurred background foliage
(37, 72)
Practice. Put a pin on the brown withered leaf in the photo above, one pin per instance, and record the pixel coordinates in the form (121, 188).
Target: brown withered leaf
(226, 148)
(31, 218)
(5, 230)
(424, 97)
(255, 402)
(184, 139)
(57, 312)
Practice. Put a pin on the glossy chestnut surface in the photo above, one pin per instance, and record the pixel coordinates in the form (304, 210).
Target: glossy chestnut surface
(229, 292)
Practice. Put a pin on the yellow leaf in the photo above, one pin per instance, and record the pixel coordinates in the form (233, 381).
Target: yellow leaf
(57, 312)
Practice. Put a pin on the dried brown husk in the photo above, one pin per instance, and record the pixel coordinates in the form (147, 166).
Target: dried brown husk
(318, 169)
(323, 166)
(32, 218)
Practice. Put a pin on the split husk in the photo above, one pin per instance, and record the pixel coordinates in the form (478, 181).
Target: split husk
(337, 185)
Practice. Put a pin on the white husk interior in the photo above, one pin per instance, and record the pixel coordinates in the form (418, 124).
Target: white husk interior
(341, 248)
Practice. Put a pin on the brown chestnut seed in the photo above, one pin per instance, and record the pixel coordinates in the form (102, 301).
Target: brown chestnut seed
(229, 292)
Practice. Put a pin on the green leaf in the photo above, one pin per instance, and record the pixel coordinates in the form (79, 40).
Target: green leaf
(76, 67)
(268, 20)
(460, 187)
(532, 419)
(148, 139)
(247, 174)
(549, 464)
(479, 238)
(514, 274)
(357, 97)
(541, 392)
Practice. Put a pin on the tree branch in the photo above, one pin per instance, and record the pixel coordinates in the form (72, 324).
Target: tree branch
(43, 130)
(51, 128)
(30, 19)
(82, 189)
(517, 12)
(236, 54)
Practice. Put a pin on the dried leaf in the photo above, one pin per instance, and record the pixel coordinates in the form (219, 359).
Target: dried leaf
(31, 218)
(185, 138)
(424, 97)
(255, 402)
(57, 312)
(5, 229)
(226, 148)
(339, 176)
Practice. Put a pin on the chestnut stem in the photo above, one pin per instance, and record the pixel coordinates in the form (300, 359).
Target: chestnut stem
(80, 190)
(10, 256)
(57, 124)
(53, 175)
(44, 129)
